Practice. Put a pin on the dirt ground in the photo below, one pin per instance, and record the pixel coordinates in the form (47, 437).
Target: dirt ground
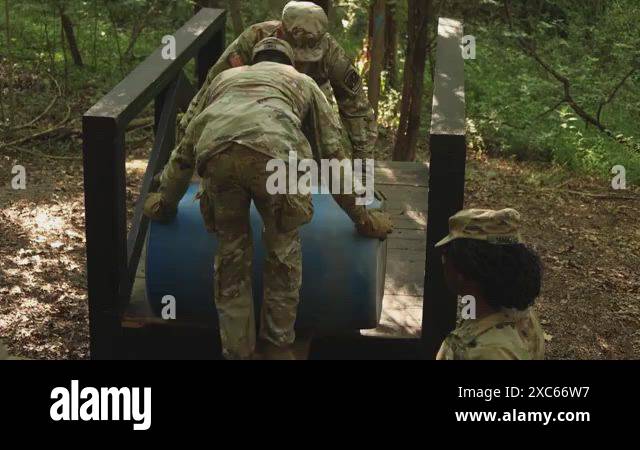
(587, 235)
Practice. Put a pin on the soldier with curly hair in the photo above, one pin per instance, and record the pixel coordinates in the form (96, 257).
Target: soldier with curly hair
(484, 257)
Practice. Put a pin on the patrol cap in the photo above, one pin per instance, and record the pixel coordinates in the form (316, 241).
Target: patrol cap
(273, 43)
(306, 25)
(495, 227)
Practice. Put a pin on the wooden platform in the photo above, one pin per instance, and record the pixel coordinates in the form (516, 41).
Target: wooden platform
(404, 184)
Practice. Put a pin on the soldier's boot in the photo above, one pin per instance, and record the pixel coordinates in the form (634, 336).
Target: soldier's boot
(272, 352)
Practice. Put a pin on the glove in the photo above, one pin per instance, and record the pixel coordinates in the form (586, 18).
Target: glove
(376, 224)
(156, 208)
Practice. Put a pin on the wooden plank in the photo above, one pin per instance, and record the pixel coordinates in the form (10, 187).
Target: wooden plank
(405, 273)
(407, 244)
(411, 255)
(404, 198)
(409, 222)
(413, 235)
(448, 108)
(401, 318)
(401, 173)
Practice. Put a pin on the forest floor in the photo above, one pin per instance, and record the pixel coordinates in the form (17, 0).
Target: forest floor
(587, 235)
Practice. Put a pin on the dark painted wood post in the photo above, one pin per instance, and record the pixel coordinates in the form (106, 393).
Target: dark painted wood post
(446, 179)
(106, 230)
(111, 260)
(208, 55)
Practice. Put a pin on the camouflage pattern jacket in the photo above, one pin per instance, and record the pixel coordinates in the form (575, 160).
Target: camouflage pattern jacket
(261, 107)
(334, 74)
(508, 334)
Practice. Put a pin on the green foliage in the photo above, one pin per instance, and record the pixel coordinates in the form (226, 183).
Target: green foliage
(510, 96)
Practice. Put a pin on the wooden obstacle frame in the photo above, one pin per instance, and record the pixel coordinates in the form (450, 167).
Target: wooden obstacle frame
(113, 254)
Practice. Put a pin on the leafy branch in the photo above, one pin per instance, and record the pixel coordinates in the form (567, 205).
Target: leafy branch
(529, 49)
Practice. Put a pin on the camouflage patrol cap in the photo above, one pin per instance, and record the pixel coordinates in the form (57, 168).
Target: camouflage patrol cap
(273, 43)
(305, 25)
(495, 227)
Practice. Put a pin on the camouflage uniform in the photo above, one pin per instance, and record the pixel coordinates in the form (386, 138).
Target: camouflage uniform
(4, 354)
(253, 114)
(508, 333)
(318, 55)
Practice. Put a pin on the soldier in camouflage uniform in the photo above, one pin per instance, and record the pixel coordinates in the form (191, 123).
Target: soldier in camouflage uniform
(483, 256)
(317, 54)
(251, 115)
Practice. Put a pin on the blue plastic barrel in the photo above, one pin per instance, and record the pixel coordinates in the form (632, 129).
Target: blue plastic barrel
(342, 272)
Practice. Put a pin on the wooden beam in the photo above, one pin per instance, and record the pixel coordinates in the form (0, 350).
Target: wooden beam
(446, 179)
(105, 225)
(162, 147)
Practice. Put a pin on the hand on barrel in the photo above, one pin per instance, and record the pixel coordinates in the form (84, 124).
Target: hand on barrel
(377, 224)
(156, 208)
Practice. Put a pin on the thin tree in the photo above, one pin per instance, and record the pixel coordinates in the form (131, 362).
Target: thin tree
(138, 27)
(235, 8)
(391, 44)
(69, 32)
(377, 53)
(413, 88)
(7, 25)
(115, 35)
(95, 33)
(64, 55)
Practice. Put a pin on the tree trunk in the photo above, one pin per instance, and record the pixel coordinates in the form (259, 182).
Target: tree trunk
(7, 25)
(377, 44)
(67, 26)
(64, 55)
(391, 46)
(412, 91)
(137, 29)
(236, 16)
(94, 36)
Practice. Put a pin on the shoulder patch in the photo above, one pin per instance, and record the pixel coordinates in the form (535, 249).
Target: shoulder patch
(352, 80)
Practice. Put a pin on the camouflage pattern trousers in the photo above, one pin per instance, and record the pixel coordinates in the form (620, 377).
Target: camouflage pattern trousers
(232, 180)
